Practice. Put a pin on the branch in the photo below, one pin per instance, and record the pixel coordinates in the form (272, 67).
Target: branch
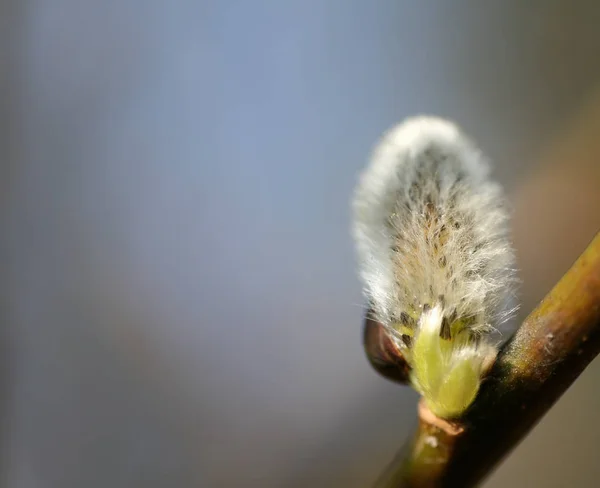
(548, 352)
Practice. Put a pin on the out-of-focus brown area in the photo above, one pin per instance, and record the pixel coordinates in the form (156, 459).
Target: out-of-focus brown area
(559, 197)
(179, 298)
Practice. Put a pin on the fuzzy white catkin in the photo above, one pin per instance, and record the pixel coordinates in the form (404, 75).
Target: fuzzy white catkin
(431, 231)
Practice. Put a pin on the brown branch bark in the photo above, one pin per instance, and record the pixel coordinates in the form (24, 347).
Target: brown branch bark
(549, 351)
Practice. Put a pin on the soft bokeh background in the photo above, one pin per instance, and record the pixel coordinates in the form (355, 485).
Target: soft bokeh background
(179, 297)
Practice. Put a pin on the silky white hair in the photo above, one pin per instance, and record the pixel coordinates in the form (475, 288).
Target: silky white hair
(431, 229)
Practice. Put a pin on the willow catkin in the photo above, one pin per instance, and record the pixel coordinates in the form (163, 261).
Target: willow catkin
(431, 231)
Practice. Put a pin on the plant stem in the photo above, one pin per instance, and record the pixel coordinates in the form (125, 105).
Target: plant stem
(549, 351)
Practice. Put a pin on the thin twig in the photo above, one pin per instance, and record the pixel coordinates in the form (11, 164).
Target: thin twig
(548, 352)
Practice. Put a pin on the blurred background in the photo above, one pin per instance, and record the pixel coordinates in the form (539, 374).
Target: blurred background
(179, 296)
